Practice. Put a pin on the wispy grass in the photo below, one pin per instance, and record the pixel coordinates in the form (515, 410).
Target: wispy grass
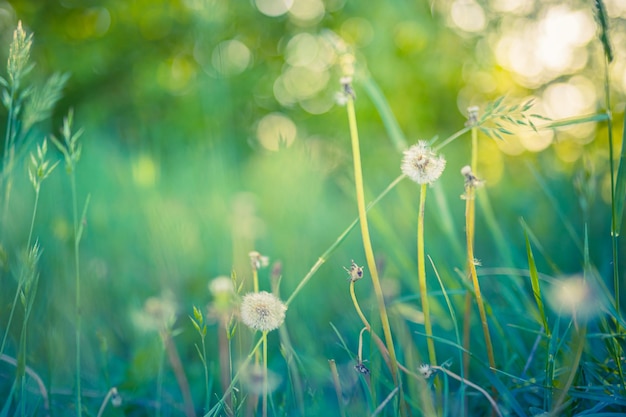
(71, 150)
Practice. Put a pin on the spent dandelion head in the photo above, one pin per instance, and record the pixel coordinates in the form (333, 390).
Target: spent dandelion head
(471, 181)
(472, 116)
(361, 368)
(421, 164)
(425, 370)
(258, 261)
(355, 272)
(262, 311)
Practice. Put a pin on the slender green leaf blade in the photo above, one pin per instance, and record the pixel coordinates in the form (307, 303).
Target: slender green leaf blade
(620, 185)
(534, 280)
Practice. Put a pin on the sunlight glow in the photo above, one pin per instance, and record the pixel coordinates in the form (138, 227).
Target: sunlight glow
(468, 15)
(307, 12)
(541, 51)
(273, 8)
(574, 98)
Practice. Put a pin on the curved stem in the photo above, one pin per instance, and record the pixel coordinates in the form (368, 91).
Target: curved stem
(367, 243)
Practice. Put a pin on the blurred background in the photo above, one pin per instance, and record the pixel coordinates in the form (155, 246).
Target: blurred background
(211, 129)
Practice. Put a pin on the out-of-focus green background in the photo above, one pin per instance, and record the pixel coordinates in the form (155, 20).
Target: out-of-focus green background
(211, 130)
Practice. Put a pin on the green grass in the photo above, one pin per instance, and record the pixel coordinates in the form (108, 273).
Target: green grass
(111, 303)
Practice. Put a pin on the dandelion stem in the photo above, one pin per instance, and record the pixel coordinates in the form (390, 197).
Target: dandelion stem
(358, 308)
(369, 252)
(469, 225)
(421, 271)
(265, 374)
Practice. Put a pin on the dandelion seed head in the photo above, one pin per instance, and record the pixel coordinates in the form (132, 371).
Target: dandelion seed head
(421, 164)
(221, 285)
(262, 311)
(355, 272)
(425, 370)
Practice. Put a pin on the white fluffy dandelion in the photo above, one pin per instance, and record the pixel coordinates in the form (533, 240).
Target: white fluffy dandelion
(421, 164)
(262, 311)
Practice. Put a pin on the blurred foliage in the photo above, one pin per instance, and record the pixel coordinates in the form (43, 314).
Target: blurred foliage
(172, 96)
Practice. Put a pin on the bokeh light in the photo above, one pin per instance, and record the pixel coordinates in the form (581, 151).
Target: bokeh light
(231, 57)
(276, 131)
(273, 8)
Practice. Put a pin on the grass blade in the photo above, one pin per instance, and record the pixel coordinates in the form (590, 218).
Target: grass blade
(620, 185)
(384, 110)
(534, 280)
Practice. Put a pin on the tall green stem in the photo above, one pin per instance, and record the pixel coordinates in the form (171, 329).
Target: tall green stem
(367, 244)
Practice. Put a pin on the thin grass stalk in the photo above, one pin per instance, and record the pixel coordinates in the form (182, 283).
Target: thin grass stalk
(19, 284)
(579, 343)
(358, 308)
(40, 384)
(369, 252)
(217, 407)
(421, 271)
(224, 358)
(608, 58)
(337, 385)
(456, 332)
(471, 384)
(614, 222)
(109, 397)
(179, 372)
(78, 312)
(469, 225)
(324, 257)
(468, 296)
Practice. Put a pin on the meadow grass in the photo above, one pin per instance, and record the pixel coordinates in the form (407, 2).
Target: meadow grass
(458, 337)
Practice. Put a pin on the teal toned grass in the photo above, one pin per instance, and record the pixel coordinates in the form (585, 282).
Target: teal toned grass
(164, 222)
(71, 150)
